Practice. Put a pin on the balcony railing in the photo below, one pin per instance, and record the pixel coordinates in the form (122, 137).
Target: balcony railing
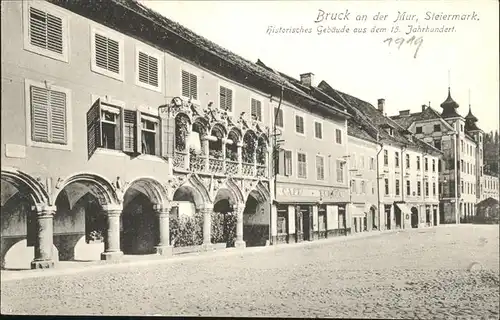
(248, 169)
(180, 160)
(198, 163)
(232, 167)
(216, 165)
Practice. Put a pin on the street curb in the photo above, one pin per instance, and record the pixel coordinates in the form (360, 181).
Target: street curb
(28, 274)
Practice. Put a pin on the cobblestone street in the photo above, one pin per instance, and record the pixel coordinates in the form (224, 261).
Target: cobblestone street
(420, 273)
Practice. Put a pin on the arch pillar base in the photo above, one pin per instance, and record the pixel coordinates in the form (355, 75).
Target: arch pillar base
(166, 251)
(42, 264)
(240, 244)
(114, 255)
(207, 247)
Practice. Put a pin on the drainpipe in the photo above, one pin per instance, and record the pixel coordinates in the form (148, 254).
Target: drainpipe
(275, 171)
(455, 159)
(378, 178)
(401, 186)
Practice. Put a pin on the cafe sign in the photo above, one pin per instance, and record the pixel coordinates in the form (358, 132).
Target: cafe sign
(309, 194)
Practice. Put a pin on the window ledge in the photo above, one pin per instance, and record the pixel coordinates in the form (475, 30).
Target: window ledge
(48, 145)
(151, 158)
(111, 152)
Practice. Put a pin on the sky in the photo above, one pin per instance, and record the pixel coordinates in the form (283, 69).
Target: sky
(464, 56)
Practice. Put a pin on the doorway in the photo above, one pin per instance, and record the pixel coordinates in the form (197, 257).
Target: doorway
(414, 217)
(306, 224)
(388, 216)
(434, 215)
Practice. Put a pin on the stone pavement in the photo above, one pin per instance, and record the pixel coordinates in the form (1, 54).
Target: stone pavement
(435, 273)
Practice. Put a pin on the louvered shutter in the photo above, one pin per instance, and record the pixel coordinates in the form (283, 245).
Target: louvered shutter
(256, 109)
(58, 117)
(107, 53)
(288, 163)
(168, 136)
(143, 68)
(281, 167)
(40, 114)
(129, 130)
(153, 71)
(94, 128)
(138, 132)
(185, 84)
(193, 86)
(45, 31)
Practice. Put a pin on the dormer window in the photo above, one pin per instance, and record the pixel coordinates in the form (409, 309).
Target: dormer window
(437, 128)
(390, 131)
(418, 129)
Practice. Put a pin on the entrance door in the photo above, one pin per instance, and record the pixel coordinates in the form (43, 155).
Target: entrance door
(306, 223)
(435, 216)
(388, 216)
(414, 217)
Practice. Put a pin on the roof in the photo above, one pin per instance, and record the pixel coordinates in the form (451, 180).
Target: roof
(449, 107)
(132, 18)
(368, 113)
(406, 121)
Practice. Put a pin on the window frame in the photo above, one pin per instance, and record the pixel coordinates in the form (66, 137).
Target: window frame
(256, 98)
(437, 126)
(303, 124)
(299, 163)
(155, 54)
(419, 130)
(316, 165)
(321, 125)
(397, 187)
(396, 159)
(113, 103)
(282, 117)
(339, 166)
(69, 123)
(65, 32)
(387, 190)
(113, 35)
(192, 70)
(386, 157)
(337, 135)
(227, 86)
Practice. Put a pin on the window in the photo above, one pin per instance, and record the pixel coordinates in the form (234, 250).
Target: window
(396, 159)
(407, 161)
(116, 128)
(461, 145)
(462, 185)
(107, 53)
(418, 129)
(226, 99)
(373, 188)
(361, 162)
(148, 70)
(150, 135)
(189, 85)
(426, 164)
(397, 187)
(386, 185)
(437, 128)
(437, 144)
(278, 115)
(372, 163)
(419, 188)
(299, 124)
(386, 158)
(426, 189)
(363, 187)
(461, 165)
(408, 187)
(461, 128)
(439, 165)
(318, 130)
(352, 160)
(256, 111)
(320, 168)
(46, 30)
(391, 131)
(418, 163)
(340, 171)
(281, 221)
(338, 136)
(302, 165)
(48, 115)
(353, 186)
(433, 165)
(288, 163)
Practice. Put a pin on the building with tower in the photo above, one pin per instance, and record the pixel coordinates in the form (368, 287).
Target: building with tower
(461, 169)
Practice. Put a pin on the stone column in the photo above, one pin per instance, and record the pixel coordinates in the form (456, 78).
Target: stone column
(207, 226)
(112, 238)
(239, 243)
(274, 224)
(44, 238)
(206, 151)
(163, 248)
(240, 157)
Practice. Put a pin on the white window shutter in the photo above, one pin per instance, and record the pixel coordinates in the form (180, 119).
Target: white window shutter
(58, 117)
(40, 114)
(45, 30)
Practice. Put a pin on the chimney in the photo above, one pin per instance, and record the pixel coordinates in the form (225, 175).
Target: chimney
(381, 105)
(307, 79)
(404, 112)
(423, 107)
